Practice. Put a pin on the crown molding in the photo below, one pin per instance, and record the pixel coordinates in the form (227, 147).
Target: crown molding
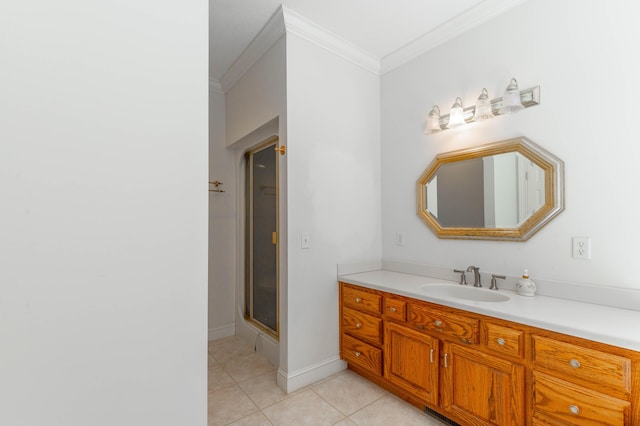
(284, 21)
(273, 30)
(314, 33)
(215, 86)
(462, 23)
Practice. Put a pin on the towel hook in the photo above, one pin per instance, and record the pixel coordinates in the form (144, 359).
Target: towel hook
(216, 183)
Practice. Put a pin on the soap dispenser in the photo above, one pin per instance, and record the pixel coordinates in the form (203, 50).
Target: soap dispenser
(525, 286)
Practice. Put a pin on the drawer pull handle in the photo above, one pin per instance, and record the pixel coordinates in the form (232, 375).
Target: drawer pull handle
(359, 325)
(438, 323)
(574, 409)
(421, 327)
(575, 364)
(431, 356)
(358, 354)
(500, 341)
(446, 360)
(392, 310)
(358, 300)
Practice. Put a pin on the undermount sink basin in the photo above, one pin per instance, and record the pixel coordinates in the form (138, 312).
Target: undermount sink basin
(462, 292)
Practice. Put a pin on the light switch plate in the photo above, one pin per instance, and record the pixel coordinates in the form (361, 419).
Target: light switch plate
(305, 240)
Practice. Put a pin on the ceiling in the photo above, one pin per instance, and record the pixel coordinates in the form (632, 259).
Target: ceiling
(379, 27)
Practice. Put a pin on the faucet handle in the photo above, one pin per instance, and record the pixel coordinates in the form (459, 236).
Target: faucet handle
(494, 283)
(463, 276)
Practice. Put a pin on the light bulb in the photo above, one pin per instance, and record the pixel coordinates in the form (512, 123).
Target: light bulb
(483, 107)
(511, 98)
(433, 121)
(456, 115)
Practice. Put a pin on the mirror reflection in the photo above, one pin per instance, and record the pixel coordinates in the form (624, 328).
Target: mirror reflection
(496, 191)
(502, 191)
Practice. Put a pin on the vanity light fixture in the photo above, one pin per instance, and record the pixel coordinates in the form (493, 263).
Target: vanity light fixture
(456, 115)
(513, 101)
(433, 121)
(483, 107)
(511, 98)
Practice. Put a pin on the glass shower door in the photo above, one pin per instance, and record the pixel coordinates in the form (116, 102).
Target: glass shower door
(261, 244)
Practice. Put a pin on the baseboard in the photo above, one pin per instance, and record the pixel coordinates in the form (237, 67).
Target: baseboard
(222, 331)
(306, 376)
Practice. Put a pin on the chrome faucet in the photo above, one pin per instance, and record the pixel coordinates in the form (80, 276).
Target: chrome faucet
(476, 275)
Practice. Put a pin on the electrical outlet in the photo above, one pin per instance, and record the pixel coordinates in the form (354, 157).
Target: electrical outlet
(581, 247)
(400, 238)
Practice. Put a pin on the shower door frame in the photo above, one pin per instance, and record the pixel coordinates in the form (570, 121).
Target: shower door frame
(248, 246)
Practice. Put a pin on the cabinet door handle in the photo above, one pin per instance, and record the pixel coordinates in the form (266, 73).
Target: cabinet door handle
(438, 323)
(574, 409)
(575, 364)
(359, 325)
(431, 356)
(446, 360)
(500, 341)
(392, 310)
(358, 354)
(358, 300)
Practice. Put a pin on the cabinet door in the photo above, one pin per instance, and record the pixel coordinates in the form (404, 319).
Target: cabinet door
(480, 388)
(411, 361)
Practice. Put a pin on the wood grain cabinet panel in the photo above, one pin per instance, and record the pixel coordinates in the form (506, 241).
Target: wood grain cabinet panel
(411, 361)
(362, 300)
(482, 389)
(504, 340)
(602, 369)
(558, 402)
(395, 309)
(425, 317)
(362, 354)
(361, 325)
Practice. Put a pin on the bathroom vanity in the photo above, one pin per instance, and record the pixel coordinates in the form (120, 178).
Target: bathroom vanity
(484, 362)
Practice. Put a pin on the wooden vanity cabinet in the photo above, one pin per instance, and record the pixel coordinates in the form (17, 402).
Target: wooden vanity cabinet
(479, 370)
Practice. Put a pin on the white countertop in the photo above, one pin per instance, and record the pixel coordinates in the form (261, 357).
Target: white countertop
(605, 324)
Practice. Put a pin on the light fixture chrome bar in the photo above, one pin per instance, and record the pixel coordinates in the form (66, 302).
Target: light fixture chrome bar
(529, 97)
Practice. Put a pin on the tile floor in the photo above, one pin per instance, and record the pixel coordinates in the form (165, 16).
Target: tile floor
(243, 391)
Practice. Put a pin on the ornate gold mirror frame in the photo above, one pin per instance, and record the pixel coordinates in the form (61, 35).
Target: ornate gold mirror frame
(552, 181)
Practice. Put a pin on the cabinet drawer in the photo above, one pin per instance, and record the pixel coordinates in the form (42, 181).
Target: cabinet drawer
(395, 309)
(426, 318)
(361, 300)
(586, 365)
(362, 354)
(504, 340)
(362, 326)
(563, 403)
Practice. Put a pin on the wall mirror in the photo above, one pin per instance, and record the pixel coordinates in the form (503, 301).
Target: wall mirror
(501, 191)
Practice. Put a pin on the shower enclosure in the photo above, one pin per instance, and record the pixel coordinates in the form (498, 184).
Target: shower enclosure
(261, 237)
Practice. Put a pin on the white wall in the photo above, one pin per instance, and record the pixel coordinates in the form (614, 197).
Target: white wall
(255, 110)
(103, 226)
(333, 162)
(581, 54)
(259, 96)
(328, 118)
(222, 222)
